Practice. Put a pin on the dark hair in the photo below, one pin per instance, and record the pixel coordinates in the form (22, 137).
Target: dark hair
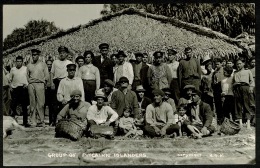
(184, 106)
(240, 59)
(218, 60)
(230, 60)
(113, 55)
(127, 108)
(79, 57)
(87, 53)
(19, 58)
(229, 70)
(251, 59)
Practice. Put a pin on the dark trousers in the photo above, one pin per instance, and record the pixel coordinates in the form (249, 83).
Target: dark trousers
(89, 89)
(208, 99)
(6, 101)
(57, 105)
(229, 107)
(20, 95)
(217, 100)
(191, 81)
(50, 98)
(151, 132)
(242, 102)
(174, 86)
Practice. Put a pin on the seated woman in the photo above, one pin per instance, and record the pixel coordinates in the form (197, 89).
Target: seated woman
(75, 111)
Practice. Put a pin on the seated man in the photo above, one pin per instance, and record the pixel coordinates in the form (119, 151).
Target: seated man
(99, 114)
(159, 117)
(200, 115)
(108, 90)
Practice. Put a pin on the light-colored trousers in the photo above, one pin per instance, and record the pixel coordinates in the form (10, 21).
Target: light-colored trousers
(37, 100)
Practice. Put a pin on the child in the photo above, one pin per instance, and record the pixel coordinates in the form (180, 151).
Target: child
(126, 123)
(243, 85)
(227, 93)
(181, 117)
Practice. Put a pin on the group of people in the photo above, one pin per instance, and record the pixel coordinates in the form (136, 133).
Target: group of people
(165, 97)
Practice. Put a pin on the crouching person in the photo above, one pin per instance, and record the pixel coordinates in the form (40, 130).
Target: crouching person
(201, 117)
(159, 117)
(72, 119)
(101, 118)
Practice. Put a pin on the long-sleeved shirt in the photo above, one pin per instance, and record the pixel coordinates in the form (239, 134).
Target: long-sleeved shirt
(18, 77)
(126, 69)
(159, 115)
(102, 115)
(5, 78)
(226, 86)
(137, 68)
(66, 87)
(244, 75)
(59, 68)
(37, 72)
(80, 113)
(173, 68)
(172, 103)
(218, 75)
(90, 72)
(120, 100)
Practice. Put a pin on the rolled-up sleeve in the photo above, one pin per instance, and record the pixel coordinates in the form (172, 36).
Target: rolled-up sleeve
(113, 114)
(63, 113)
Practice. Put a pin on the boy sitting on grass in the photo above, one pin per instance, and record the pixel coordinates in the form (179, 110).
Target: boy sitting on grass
(182, 118)
(126, 123)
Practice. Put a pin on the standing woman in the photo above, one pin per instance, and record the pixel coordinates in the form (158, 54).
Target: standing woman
(80, 61)
(90, 76)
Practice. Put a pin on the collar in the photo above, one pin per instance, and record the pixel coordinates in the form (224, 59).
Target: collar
(89, 65)
(71, 79)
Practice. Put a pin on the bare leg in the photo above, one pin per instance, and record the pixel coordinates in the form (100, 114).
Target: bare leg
(194, 131)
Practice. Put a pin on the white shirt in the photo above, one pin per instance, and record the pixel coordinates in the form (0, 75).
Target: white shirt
(101, 116)
(127, 72)
(18, 77)
(59, 69)
(67, 85)
(227, 85)
(173, 67)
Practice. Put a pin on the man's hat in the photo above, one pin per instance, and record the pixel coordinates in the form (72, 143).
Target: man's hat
(76, 92)
(158, 92)
(100, 94)
(71, 65)
(139, 54)
(123, 79)
(206, 60)
(188, 50)
(103, 45)
(196, 92)
(35, 50)
(189, 87)
(167, 90)
(173, 51)
(158, 54)
(63, 48)
(121, 53)
(109, 82)
(140, 88)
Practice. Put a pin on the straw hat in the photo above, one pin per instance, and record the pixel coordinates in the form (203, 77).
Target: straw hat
(140, 89)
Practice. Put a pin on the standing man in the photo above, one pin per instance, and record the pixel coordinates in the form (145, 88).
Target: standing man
(189, 70)
(37, 75)
(19, 92)
(6, 94)
(90, 76)
(104, 64)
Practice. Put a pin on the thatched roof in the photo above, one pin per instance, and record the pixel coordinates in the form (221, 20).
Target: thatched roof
(132, 30)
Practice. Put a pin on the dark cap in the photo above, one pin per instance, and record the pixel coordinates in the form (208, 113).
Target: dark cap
(121, 53)
(123, 79)
(103, 45)
(158, 54)
(158, 92)
(62, 48)
(188, 50)
(138, 54)
(167, 90)
(71, 65)
(109, 82)
(196, 92)
(173, 51)
(35, 50)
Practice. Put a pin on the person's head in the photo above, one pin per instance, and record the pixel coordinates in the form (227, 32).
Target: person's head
(188, 52)
(49, 64)
(89, 57)
(158, 57)
(224, 62)
(75, 98)
(100, 98)
(114, 59)
(19, 61)
(167, 93)
(172, 55)
(182, 109)
(240, 64)
(63, 52)
(228, 71)
(80, 61)
(35, 54)
(124, 82)
(139, 57)
(127, 112)
(104, 49)
(121, 57)
(140, 91)
(188, 90)
(252, 62)
(209, 66)
(145, 58)
(71, 69)
(157, 96)
(70, 57)
(108, 85)
(230, 63)
(196, 94)
(218, 63)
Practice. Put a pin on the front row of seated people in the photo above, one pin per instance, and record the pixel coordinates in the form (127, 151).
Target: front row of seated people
(159, 118)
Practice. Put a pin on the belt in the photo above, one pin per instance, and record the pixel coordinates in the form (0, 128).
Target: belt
(240, 84)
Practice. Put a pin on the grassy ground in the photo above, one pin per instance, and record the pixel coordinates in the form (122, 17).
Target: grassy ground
(37, 146)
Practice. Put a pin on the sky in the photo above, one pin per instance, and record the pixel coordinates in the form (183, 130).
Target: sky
(64, 16)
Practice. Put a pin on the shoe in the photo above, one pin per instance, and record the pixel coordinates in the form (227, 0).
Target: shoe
(27, 125)
(40, 125)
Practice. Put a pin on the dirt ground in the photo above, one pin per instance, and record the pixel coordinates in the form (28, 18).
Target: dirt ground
(38, 147)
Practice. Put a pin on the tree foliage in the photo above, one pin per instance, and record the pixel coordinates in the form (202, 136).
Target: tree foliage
(228, 18)
(32, 30)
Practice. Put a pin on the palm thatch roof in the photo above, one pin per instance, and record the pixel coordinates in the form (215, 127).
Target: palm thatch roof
(132, 30)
